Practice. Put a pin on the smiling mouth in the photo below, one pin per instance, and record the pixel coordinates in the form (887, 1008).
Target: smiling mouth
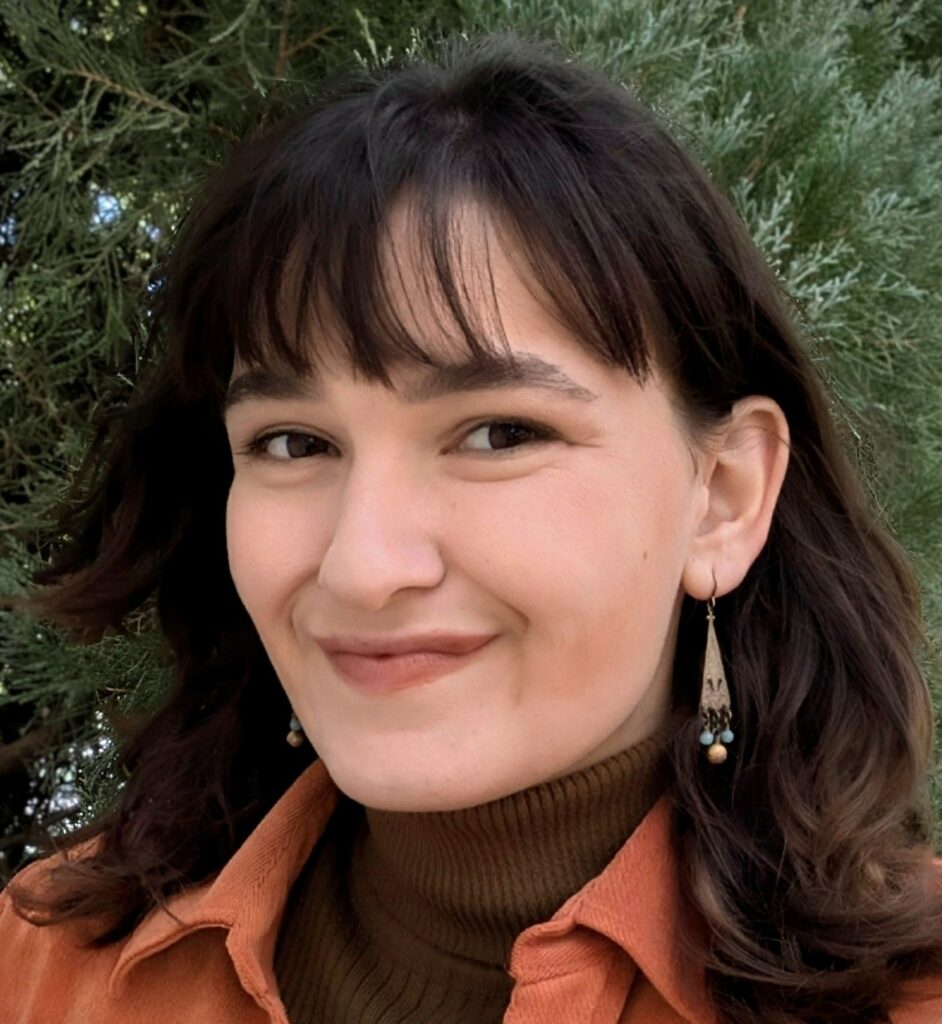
(383, 673)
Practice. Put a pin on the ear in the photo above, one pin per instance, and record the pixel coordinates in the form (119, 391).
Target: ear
(741, 473)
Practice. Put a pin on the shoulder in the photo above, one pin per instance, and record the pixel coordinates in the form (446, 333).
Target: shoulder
(51, 974)
(42, 967)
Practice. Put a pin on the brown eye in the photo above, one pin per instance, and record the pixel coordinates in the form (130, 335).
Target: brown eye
(289, 444)
(507, 435)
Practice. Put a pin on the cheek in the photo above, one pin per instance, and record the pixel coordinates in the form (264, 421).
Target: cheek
(265, 540)
(603, 573)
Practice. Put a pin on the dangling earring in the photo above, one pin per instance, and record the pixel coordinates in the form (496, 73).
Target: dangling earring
(296, 734)
(715, 715)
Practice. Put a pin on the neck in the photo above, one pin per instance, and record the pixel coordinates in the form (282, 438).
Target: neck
(465, 883)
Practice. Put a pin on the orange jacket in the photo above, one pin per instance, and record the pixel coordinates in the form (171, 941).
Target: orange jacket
(612, 953)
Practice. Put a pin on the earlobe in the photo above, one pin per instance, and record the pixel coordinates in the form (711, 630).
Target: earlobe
(743, 481)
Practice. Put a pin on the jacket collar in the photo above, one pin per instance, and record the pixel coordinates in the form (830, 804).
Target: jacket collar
(635, 902)
(248, 895)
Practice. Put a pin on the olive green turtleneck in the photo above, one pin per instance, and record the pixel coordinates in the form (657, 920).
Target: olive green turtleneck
(411, 916)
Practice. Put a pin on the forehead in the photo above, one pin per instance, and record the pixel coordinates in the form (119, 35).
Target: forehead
(467, 304)
(466, 277)
(448, 302)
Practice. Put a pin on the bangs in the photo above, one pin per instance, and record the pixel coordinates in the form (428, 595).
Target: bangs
(292, 255)
(415, 286)
(293, 258)
(392, 275)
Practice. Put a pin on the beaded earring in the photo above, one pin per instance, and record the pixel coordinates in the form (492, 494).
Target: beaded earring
(715, 714)
(295, 733)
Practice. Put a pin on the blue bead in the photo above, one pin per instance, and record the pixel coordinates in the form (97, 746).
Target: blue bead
(706, 737)
(727, 736)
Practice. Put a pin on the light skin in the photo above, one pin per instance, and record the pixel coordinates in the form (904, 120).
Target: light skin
(576, 551)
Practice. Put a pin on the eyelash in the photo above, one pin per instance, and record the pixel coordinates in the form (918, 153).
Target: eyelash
(541, 433)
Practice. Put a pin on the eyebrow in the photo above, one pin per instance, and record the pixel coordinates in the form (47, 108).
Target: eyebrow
(526, 371)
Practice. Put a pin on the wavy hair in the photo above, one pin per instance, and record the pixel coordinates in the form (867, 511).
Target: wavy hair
(808, 853)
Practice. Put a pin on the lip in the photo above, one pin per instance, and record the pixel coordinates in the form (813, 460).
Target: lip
(388, 673)
(438, 641)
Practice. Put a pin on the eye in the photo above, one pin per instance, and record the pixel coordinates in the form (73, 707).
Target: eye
(504, 435)
(286, 445)
(504, 432)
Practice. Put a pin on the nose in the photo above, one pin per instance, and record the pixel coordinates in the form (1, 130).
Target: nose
(383, 539)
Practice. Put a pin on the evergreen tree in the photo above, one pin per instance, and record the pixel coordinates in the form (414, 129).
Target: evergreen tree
(823, 123)
(112, 113)
(820, 120)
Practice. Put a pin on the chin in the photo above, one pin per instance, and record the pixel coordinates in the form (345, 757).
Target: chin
(404, 791)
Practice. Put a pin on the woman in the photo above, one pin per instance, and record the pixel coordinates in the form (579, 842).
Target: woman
(482, 456)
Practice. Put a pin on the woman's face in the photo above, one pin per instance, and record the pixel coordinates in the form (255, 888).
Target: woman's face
(364, 513)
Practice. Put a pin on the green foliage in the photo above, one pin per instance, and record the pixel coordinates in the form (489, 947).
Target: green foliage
(821, 121)
(112, 113)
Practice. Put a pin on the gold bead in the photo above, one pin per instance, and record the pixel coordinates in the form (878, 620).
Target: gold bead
(716, 754)
(295, 738)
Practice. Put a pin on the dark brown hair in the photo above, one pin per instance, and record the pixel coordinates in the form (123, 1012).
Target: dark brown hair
(808, 853)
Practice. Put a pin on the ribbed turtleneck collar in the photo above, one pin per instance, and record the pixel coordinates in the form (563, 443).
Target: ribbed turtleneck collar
(465, 883)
